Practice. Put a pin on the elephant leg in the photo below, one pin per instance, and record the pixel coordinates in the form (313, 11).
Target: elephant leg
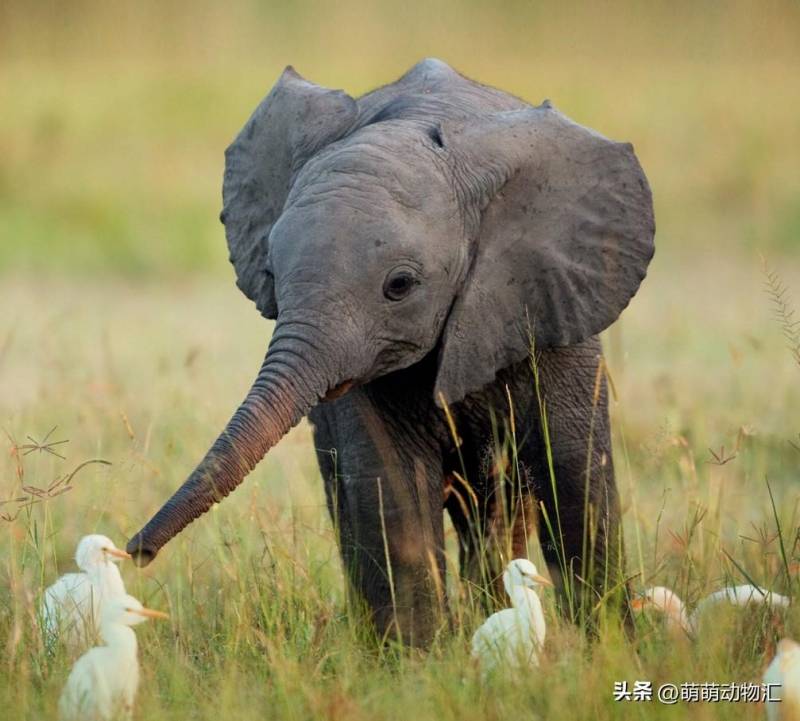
(581, 532)
(384, 486)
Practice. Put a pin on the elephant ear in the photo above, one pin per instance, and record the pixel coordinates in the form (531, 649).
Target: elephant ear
(561, 221)
(295, 121)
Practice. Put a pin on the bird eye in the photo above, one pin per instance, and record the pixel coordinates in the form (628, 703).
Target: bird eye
(398, 284)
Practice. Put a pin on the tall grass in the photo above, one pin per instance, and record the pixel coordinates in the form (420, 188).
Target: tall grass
(260, 627)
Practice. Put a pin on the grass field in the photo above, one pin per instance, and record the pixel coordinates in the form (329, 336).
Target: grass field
(120, 324)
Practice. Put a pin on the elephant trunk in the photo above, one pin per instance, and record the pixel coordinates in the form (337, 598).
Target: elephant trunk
(291, 381)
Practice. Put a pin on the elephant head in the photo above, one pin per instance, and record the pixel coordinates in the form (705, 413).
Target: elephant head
(433, 215)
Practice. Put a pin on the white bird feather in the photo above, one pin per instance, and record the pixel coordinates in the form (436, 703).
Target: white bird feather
(666, 601)
(513, 637)
(103, 682)
(785, 671)
(72, 606)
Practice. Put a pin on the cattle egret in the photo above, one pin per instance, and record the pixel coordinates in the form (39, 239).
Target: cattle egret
(513, 637)
(743, 595)
(72, 606)
(785, 672)
(667, 602)
(103, 682)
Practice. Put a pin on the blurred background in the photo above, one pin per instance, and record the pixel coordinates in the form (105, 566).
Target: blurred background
(116, 115)
(119, 318)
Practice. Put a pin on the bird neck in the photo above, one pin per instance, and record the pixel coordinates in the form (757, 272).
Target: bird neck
(526, 600)
(529, 613)
(120, 638)
(107, 577)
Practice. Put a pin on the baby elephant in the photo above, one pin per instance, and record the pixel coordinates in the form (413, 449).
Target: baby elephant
(439, 257)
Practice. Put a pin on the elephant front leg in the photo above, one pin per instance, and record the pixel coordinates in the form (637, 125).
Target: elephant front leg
(392, 547)
(386, 506)
(581, 535)
(580, 528)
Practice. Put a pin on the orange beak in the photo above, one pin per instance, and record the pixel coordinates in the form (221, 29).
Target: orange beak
(638, 603)
(541, 579)
(149, 613)
(117, 553)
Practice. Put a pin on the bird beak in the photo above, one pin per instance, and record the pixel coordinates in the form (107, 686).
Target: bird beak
(150, 613)
(638, 603)
(542, 580)
(117, 553)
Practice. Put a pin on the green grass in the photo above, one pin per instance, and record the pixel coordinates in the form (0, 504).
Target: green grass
(120, 323)
(259, 626)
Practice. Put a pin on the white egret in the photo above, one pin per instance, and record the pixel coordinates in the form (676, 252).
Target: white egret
(513, 637)
(743, 595)
(784, 670)
(103, 682)
(665, 600)
(669, 603)
(72, 606)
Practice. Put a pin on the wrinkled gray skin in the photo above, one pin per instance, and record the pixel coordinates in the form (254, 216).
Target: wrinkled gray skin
(412, 244)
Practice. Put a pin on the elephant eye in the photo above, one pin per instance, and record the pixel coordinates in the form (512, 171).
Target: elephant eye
(398, 284)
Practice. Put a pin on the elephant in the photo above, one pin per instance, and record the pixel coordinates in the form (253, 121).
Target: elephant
(440, 257)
